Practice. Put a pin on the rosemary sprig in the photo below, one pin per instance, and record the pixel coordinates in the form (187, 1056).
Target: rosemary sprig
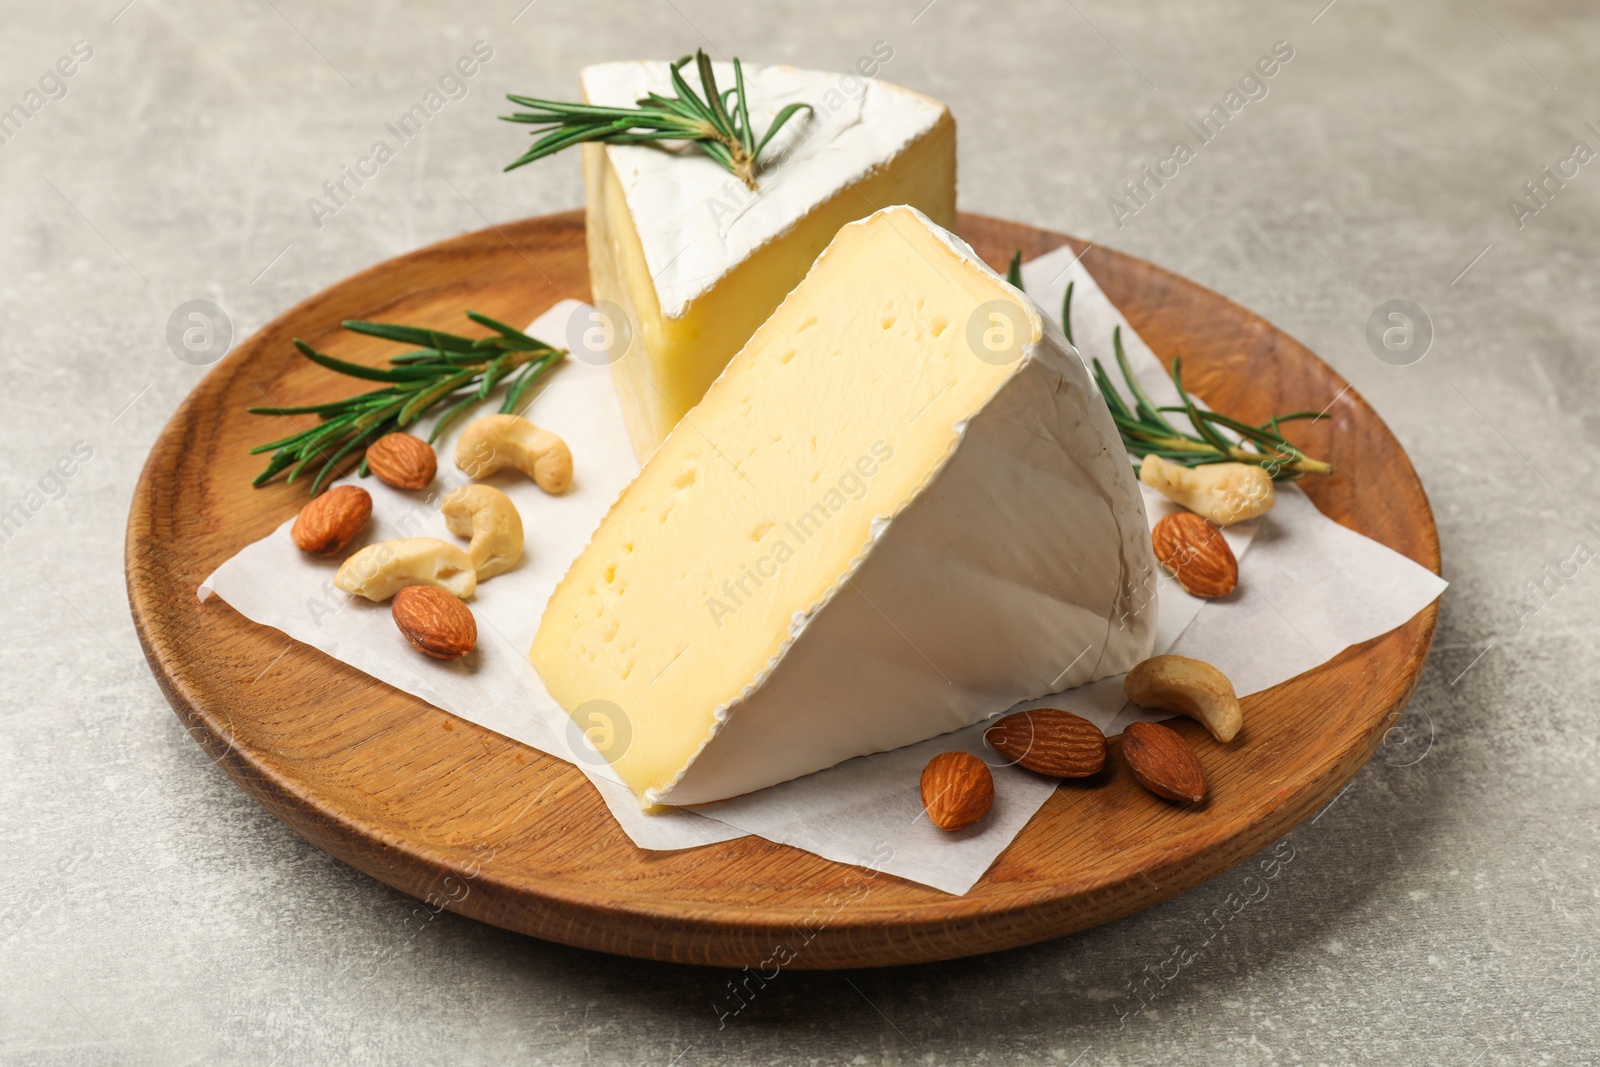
(442, 366)
(1146, 430)
(719, 122)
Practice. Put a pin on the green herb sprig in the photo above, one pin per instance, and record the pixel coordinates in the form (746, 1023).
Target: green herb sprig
(1146, 431)
(442, 367)
(718, 122)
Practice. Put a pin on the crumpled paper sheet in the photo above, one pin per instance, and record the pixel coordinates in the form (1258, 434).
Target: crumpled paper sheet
(866, 811)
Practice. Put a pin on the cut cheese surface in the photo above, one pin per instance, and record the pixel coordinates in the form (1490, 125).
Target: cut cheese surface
(900, 509)
(695, 261)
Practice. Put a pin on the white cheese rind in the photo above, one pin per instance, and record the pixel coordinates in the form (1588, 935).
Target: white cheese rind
(696, 221)
(1022, 567)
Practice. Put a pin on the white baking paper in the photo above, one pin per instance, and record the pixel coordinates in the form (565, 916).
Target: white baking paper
(865, 811)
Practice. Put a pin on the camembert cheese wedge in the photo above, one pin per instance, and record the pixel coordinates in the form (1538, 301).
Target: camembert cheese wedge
(900, 509)
(692, 261)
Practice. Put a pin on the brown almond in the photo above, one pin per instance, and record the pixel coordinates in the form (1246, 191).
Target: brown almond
(957, 790)
(1195, 552)
(1057, 743)
(435, 622)
(1163, 762)
(403, 461)
(330, 521)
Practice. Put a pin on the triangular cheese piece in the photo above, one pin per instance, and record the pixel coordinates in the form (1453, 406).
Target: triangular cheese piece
(691, 261)
(903, 507)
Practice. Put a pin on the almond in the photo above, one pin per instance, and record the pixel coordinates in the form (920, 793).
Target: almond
(329, 522)
(957, 790)
(1195, 552)
(403, 461)
(1057, 743)
(1163, 762)
(435, 622)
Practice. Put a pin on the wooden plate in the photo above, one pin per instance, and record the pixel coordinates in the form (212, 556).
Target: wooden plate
(440, 808)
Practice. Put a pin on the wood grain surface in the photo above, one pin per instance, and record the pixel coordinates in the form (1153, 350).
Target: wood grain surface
(463, 818)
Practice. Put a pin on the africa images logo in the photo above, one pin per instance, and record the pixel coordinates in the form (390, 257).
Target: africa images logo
(454, 84)
(851, 485)
(1138, 192)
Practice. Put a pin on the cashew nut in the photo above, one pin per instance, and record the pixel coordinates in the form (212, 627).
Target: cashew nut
(380, 571)
(496, 442)
(1225, 493)
(1189, 687)
(488, 516)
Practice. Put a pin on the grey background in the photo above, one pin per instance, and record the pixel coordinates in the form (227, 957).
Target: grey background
(1443, 909)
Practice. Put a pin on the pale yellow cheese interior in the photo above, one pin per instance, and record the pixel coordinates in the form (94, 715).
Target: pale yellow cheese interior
(672, 360)
(755, 507)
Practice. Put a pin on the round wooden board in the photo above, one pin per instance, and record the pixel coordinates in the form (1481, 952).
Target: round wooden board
(438, 807)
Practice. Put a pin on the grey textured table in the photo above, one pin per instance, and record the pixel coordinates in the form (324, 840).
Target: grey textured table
(1443, 909)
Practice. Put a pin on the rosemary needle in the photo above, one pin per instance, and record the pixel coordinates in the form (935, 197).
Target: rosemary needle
(1014, 272)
